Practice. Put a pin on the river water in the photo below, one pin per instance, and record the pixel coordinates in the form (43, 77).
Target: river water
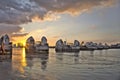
(85, 65)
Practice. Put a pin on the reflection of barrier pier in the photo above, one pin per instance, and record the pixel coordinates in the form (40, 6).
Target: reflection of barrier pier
(43, 56)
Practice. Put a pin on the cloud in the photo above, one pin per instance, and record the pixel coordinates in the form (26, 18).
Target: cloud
(93, 27)
(24, 11)
(9, 28)
(72, 6)
(19, 35)
(17, 12)
(14, 31)
(56, 36)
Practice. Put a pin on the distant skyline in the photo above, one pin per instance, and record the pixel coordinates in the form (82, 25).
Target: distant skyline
(83, 20)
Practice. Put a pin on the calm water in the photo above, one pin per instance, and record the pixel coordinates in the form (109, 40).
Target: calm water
(85, 65)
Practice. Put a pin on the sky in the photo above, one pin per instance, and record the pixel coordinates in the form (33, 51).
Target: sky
(83, 20)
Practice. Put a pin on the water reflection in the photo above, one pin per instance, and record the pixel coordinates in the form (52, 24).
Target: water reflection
(28, 66)
(101, 52)
(5, 70)
(59, 56)
(19, 60)
(23, 57)
(76, 58)
(36, 65)
(42, 57)
(92, 53)
(62, 66)
(44, 60)
(62, 57)
(29, 63)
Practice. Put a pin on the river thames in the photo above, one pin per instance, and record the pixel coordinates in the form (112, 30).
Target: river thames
(85, 65)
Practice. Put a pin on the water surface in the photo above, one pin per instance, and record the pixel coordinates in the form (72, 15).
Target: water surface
(85, 65)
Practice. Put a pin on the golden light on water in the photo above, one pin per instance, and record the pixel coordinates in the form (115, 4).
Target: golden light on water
(20, 58)
(23, 61)
(23, 57)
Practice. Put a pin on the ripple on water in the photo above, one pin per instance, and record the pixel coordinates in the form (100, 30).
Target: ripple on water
(86, 65)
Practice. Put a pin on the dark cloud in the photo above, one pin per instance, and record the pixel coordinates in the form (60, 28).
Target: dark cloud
(14, 31)
(9, 29)
(19, 11)
(23, 11)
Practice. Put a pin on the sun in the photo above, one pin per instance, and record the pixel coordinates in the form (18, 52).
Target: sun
(23, 42)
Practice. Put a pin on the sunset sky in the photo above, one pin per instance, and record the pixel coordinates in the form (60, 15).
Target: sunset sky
(84, 20)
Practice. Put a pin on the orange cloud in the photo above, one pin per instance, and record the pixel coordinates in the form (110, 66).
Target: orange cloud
(36, 19)
(50, 16)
